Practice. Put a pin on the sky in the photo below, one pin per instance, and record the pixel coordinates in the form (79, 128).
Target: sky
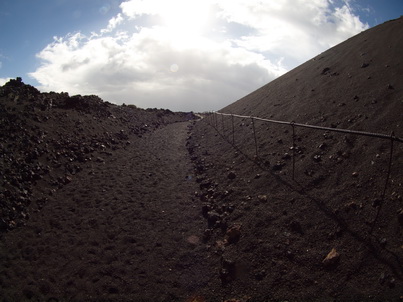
(182, 55)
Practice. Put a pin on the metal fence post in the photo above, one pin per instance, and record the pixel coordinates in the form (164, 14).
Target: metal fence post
(254, 135)
(233, 130)
(214, 123)
(392, 137)
(293, 150)
(222, 124)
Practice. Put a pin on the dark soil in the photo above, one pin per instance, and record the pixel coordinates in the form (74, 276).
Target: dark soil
(114, 203)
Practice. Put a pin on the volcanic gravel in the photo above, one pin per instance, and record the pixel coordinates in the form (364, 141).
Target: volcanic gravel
(101, 202)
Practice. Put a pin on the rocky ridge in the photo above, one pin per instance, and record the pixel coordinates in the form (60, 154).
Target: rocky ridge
(47, 138)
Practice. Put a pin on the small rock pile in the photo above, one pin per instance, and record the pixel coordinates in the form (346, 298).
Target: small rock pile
(216, 207)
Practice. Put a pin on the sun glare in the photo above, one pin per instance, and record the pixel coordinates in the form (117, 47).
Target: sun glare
(185, 18)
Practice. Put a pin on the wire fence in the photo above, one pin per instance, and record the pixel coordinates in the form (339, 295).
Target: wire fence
(213, 120)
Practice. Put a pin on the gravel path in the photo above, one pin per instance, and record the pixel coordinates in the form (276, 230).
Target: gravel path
(126, 228)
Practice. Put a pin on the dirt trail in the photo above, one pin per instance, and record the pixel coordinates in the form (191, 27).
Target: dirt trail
(126, 228)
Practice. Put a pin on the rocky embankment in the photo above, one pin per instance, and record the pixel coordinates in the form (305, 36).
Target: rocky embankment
(47, 138)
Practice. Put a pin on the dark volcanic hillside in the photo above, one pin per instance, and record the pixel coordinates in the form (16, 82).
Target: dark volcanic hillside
(114, 203)
(355, 85)
(338, 198)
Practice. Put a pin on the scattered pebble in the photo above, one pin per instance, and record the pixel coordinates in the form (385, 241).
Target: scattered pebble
(262, 198)
(233, 234)
(231, 175)
(331, 259)
(325, 70)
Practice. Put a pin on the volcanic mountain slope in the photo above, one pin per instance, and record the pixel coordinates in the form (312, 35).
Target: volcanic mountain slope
(115, 203)
(363, 73)
(344, 199)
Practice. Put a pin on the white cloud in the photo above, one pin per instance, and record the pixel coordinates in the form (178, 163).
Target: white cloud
(293, 29)
(4, 80)
(113, 23)
(235, 48)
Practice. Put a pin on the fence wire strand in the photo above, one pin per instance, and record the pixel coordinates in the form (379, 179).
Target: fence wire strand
(363, 133)
(390, 137)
